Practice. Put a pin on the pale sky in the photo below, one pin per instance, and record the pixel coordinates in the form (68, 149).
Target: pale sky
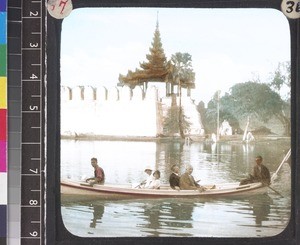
(227, 46)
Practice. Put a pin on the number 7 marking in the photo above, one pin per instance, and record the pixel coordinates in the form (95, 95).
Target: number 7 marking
(64, 5)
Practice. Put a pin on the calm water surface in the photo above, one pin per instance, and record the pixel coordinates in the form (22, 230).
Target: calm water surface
(124, 162)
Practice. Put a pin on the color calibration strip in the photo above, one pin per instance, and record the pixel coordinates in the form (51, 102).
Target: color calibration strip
(3, 120)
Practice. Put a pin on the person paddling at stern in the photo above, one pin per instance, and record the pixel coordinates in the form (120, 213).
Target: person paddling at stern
(260, 173)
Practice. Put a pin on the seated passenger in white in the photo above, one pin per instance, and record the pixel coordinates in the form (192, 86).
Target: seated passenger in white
(155, 183)
(147, 181)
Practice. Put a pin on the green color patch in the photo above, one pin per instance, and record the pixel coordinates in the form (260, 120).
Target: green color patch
(3, 60)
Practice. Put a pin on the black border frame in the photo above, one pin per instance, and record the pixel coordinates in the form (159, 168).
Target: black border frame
(56, 232)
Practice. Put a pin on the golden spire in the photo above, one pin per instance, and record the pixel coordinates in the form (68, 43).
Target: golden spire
(157, 24)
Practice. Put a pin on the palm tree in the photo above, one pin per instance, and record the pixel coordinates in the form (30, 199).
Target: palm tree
(184, 77)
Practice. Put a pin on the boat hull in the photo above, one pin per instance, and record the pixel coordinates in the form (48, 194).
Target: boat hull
(80, 190)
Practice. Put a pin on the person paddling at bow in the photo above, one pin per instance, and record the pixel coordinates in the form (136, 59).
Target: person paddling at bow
(99, 176)
(260, 173)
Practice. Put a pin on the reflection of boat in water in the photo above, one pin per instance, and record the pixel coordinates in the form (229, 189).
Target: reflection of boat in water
(98, 211)
(70, 189)
(261, 207)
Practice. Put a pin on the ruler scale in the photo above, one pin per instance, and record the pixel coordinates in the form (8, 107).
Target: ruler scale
(14, 118)
(32, 123)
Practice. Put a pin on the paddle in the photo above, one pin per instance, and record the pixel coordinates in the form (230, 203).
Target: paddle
(275, 191)
(139, 185)
(274, 176)
(283, 161)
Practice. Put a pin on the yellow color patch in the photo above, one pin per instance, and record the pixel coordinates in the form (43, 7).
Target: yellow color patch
(3, 93)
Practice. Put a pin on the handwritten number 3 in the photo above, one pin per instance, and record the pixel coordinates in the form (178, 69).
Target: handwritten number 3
(290, 7)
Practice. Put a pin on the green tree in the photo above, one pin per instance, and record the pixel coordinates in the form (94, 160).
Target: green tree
(281, 78)
(202, 111)
(171, 122)
(210, 115)
(183, 74)
(255, 100)
(281, 83)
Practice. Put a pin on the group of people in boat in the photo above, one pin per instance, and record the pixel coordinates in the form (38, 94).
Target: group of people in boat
(185, 181)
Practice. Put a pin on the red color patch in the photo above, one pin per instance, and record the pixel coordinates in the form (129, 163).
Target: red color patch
(3, 124)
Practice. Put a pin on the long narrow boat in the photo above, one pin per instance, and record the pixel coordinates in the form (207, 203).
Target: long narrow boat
(71, 189)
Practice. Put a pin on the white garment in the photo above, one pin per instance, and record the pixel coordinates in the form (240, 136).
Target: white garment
(148, 181)
(155, 184)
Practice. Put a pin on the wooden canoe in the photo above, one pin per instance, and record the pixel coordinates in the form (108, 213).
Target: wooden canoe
(72, 189)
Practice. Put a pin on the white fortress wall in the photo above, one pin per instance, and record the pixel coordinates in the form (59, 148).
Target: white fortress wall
(120, 111)
(77, 114)
(193, 116)
(113, 112)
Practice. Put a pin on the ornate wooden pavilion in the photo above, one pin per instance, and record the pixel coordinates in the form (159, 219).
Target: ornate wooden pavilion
(156, 69)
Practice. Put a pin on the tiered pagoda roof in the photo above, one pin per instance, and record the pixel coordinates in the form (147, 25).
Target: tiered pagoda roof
(155, 69)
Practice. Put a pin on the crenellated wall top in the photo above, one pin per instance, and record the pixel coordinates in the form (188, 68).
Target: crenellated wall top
(101, 93)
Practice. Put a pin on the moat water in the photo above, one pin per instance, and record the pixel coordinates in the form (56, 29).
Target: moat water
(124, 162)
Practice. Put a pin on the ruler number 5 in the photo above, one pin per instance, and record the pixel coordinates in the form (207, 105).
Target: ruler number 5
(34, 108)
(35, 233)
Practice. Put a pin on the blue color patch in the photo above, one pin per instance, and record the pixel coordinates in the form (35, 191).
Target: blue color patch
(3, 6)
(3, 227)
(3, 29)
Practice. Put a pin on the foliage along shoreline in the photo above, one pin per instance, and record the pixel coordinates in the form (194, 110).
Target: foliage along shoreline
(232, 138)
